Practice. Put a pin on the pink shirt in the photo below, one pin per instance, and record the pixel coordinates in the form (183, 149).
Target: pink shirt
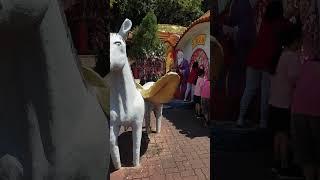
(306, 98)
(282, 82)
(199, 86)
(205, 91)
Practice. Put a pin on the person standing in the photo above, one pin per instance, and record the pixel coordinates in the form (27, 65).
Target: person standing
(197, 92)
(259, 62)
(281, 92)
(242, 21)
(205, 100)
(192, 80)
(305, 124)
(183, 70)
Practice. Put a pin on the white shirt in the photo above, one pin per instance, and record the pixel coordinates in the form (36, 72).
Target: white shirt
(282, 82)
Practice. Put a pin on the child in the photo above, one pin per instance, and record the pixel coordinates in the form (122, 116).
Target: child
(197, 92)
(306, 119)
(281, 92)
(205, 98)
(191, 81)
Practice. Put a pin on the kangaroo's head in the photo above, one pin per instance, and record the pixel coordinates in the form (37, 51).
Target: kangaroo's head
(118, 54)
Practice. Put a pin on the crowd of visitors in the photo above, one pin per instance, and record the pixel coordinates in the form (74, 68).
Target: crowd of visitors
(284, 64)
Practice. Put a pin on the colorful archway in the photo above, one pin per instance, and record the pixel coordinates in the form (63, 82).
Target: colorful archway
(201, 57)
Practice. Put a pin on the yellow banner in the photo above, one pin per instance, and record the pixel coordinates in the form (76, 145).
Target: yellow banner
(199, 40)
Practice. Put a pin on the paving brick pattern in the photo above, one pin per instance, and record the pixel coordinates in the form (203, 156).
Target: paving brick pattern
(180, 152)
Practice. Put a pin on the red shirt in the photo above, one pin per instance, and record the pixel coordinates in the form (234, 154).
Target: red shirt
(193, 76)
(266, 45)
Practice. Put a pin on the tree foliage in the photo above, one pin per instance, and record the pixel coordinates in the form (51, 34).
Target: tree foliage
(179, 12)
(111, 3)
(135, 10)
(145, 40)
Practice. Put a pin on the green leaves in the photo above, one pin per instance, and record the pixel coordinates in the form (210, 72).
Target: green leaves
(145, 41)
(146, 14)
(178, 12)
(112, 2)
(135, 10)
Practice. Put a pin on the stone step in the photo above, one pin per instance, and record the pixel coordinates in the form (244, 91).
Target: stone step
(233, 139)
(179, 104)
(241, 153)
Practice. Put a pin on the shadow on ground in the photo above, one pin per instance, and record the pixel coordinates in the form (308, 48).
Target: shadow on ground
(247, 153)
(184, 120)
(125, 146)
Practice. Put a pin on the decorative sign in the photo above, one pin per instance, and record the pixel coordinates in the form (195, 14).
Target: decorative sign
(199, 40)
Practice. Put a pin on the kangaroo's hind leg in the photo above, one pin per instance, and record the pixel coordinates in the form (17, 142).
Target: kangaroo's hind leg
(158, 115)
(115, 154)
(147, 117)
(136, 138)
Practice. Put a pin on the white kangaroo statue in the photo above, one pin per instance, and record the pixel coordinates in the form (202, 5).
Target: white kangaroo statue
(126, 103)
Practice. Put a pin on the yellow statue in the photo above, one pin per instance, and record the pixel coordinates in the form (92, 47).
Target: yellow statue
(159, 92)
(96, 81)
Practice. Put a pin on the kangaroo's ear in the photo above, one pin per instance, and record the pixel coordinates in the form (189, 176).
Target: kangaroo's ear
(125, 28)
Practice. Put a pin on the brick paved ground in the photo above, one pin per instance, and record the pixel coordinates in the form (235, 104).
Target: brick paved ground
(180, 151)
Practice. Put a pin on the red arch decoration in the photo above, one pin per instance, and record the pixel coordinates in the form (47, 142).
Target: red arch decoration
(202, 58)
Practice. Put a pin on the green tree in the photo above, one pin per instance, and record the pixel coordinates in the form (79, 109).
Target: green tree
(145, 41)
(206, 5)
(135, 10)
(179, 12)
(111, 3)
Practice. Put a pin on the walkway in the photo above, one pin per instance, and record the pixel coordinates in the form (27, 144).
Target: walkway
(180, 151)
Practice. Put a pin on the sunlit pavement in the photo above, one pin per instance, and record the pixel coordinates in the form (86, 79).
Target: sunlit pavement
(180, 151)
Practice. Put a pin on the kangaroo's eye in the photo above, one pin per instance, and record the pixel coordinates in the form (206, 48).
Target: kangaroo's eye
(118, 43)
